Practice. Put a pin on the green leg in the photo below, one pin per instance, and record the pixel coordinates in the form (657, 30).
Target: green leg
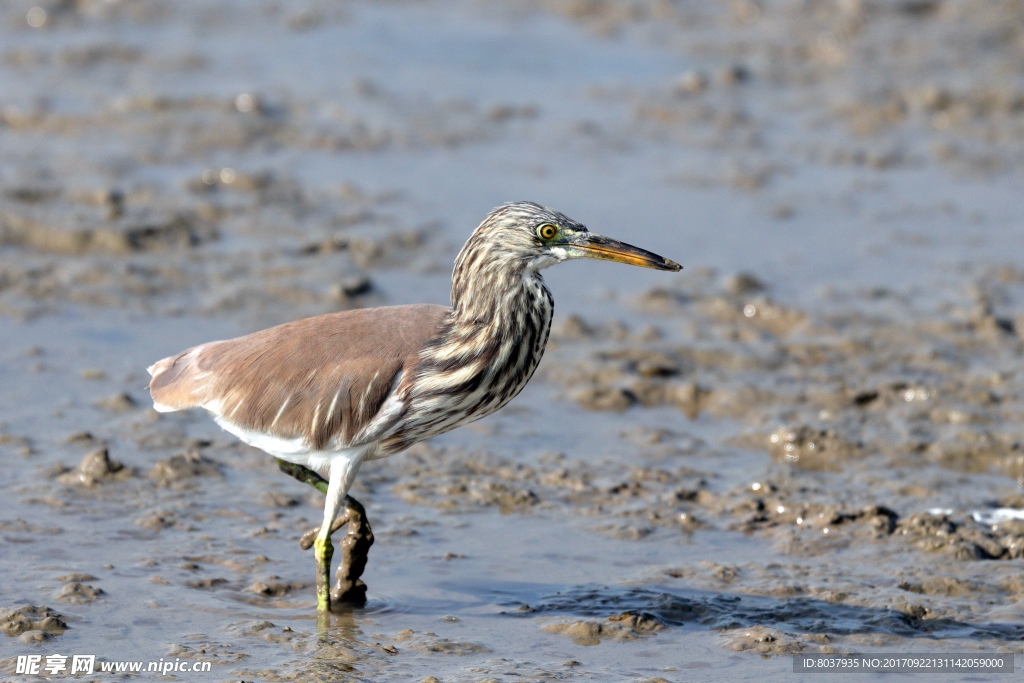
(323, 550)
(303, 474)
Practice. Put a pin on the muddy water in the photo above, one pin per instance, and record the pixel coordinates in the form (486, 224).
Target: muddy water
(809, 440)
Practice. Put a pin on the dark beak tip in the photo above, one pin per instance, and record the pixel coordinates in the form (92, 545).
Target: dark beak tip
(667, 265)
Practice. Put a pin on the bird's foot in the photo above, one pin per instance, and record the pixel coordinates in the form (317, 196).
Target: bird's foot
(309, 538)
(355, 547)
(355, 551)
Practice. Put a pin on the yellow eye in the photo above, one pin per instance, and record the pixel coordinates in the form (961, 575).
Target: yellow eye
(547, 231)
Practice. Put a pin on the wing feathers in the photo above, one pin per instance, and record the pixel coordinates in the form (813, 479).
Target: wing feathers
(322, 379)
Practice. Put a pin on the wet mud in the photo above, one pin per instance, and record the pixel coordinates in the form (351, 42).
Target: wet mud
(809, 440)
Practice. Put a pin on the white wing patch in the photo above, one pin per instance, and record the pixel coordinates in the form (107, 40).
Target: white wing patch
(293, 450)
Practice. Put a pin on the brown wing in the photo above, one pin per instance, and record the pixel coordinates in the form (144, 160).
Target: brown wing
(317, 378)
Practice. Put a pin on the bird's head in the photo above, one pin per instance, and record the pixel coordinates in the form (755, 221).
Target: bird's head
(533, 237)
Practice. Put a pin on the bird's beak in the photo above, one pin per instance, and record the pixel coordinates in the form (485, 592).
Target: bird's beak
(589, 245)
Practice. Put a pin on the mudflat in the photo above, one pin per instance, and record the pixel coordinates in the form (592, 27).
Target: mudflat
(807, 441)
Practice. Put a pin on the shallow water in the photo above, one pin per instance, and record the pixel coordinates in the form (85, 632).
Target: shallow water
(794, 445)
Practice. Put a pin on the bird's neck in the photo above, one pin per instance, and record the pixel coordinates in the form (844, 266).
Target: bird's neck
(495, 293)
(484, 353)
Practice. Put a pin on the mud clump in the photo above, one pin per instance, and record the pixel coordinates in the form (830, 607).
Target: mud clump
(743, 284)
(96, 467)
(156, 522)
(812, 449)
(979, 450)
(942, 585)
(765, 513)
(762, 640)
(606, 398)
(79, 594)
(118, 403)
(125, 236)
(625, 626)
(274, 587)
(265, 630)
(38, 623)
(962, 540)
(180, 468)
(207, 583)
(431, 642)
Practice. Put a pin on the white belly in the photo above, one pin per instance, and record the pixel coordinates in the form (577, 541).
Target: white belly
(296, 450)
